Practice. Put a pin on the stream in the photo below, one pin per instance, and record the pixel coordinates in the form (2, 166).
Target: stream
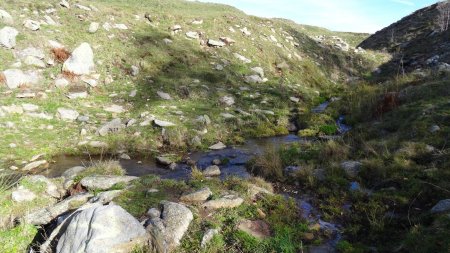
(236, 157)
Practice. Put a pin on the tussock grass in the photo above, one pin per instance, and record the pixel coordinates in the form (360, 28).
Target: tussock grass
(8, 180)
(103, 168)
(269, 165)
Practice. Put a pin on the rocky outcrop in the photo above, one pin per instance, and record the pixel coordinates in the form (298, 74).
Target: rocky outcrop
(46, 215)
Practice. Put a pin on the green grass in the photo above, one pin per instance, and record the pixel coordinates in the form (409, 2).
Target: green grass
(172, 68)
(17, 239)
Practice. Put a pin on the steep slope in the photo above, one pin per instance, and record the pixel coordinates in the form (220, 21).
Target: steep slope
(417, 41)
(145, 47)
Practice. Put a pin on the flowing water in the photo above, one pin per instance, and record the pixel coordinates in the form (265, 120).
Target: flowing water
(236, 159)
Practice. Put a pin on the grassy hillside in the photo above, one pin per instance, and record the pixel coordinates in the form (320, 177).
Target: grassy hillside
(416, 42)
(183, 69)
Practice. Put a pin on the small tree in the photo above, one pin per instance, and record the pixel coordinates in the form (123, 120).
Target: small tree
(443, 18)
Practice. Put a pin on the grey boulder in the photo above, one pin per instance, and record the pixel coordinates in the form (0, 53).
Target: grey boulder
(441, 207)
(197, 196)
(167, 230)
(8, 37)
(81, 62)
(101, 229)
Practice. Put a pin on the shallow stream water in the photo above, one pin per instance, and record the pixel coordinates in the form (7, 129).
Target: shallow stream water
(236, 158)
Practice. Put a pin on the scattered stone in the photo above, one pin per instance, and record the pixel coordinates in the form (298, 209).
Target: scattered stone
(73, 172)
(115, 109)
(77, 95)
(283, 65)
(81, 62)
(101, 229)
(16, 77)
(257, 228)
(61, 83)
(113, 126)
(176, 28)
(197, 22)
(218, 146)
(82, 7)
(27, 94)
(245, 31)
(12, 109)
(228, 201)
(120, 26)
(193, 35)
(105, 182)
(35, 165)
(219, 67)
(64, 4)
(254, 79)
(197, 196)
(32, 51)
(216, 162)
(51, 188)
(162, 123)
(83, 118)
(32, 25)
(212, 171)
(50, 21)
(227, 100)
(30, 107)
(351, 168)
(254, 190)
(227, 40)
(204, 119)
(167, 41)
(8, 37)
(227, 115)
(215, 43)
(242, 58)
(441, 207)
(6, 18)
(208, 236)
(294, 99)
(98, 144)
(168, 229)
(134, 70)
(93, 27)
(91, 81)
(164, 160)
(67, 114)
(259, 71)
(125, 157)
(164, 95)
(22, 195)
(434, 129)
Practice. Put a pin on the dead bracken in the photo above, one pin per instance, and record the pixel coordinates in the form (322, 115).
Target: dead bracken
(60, 54)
